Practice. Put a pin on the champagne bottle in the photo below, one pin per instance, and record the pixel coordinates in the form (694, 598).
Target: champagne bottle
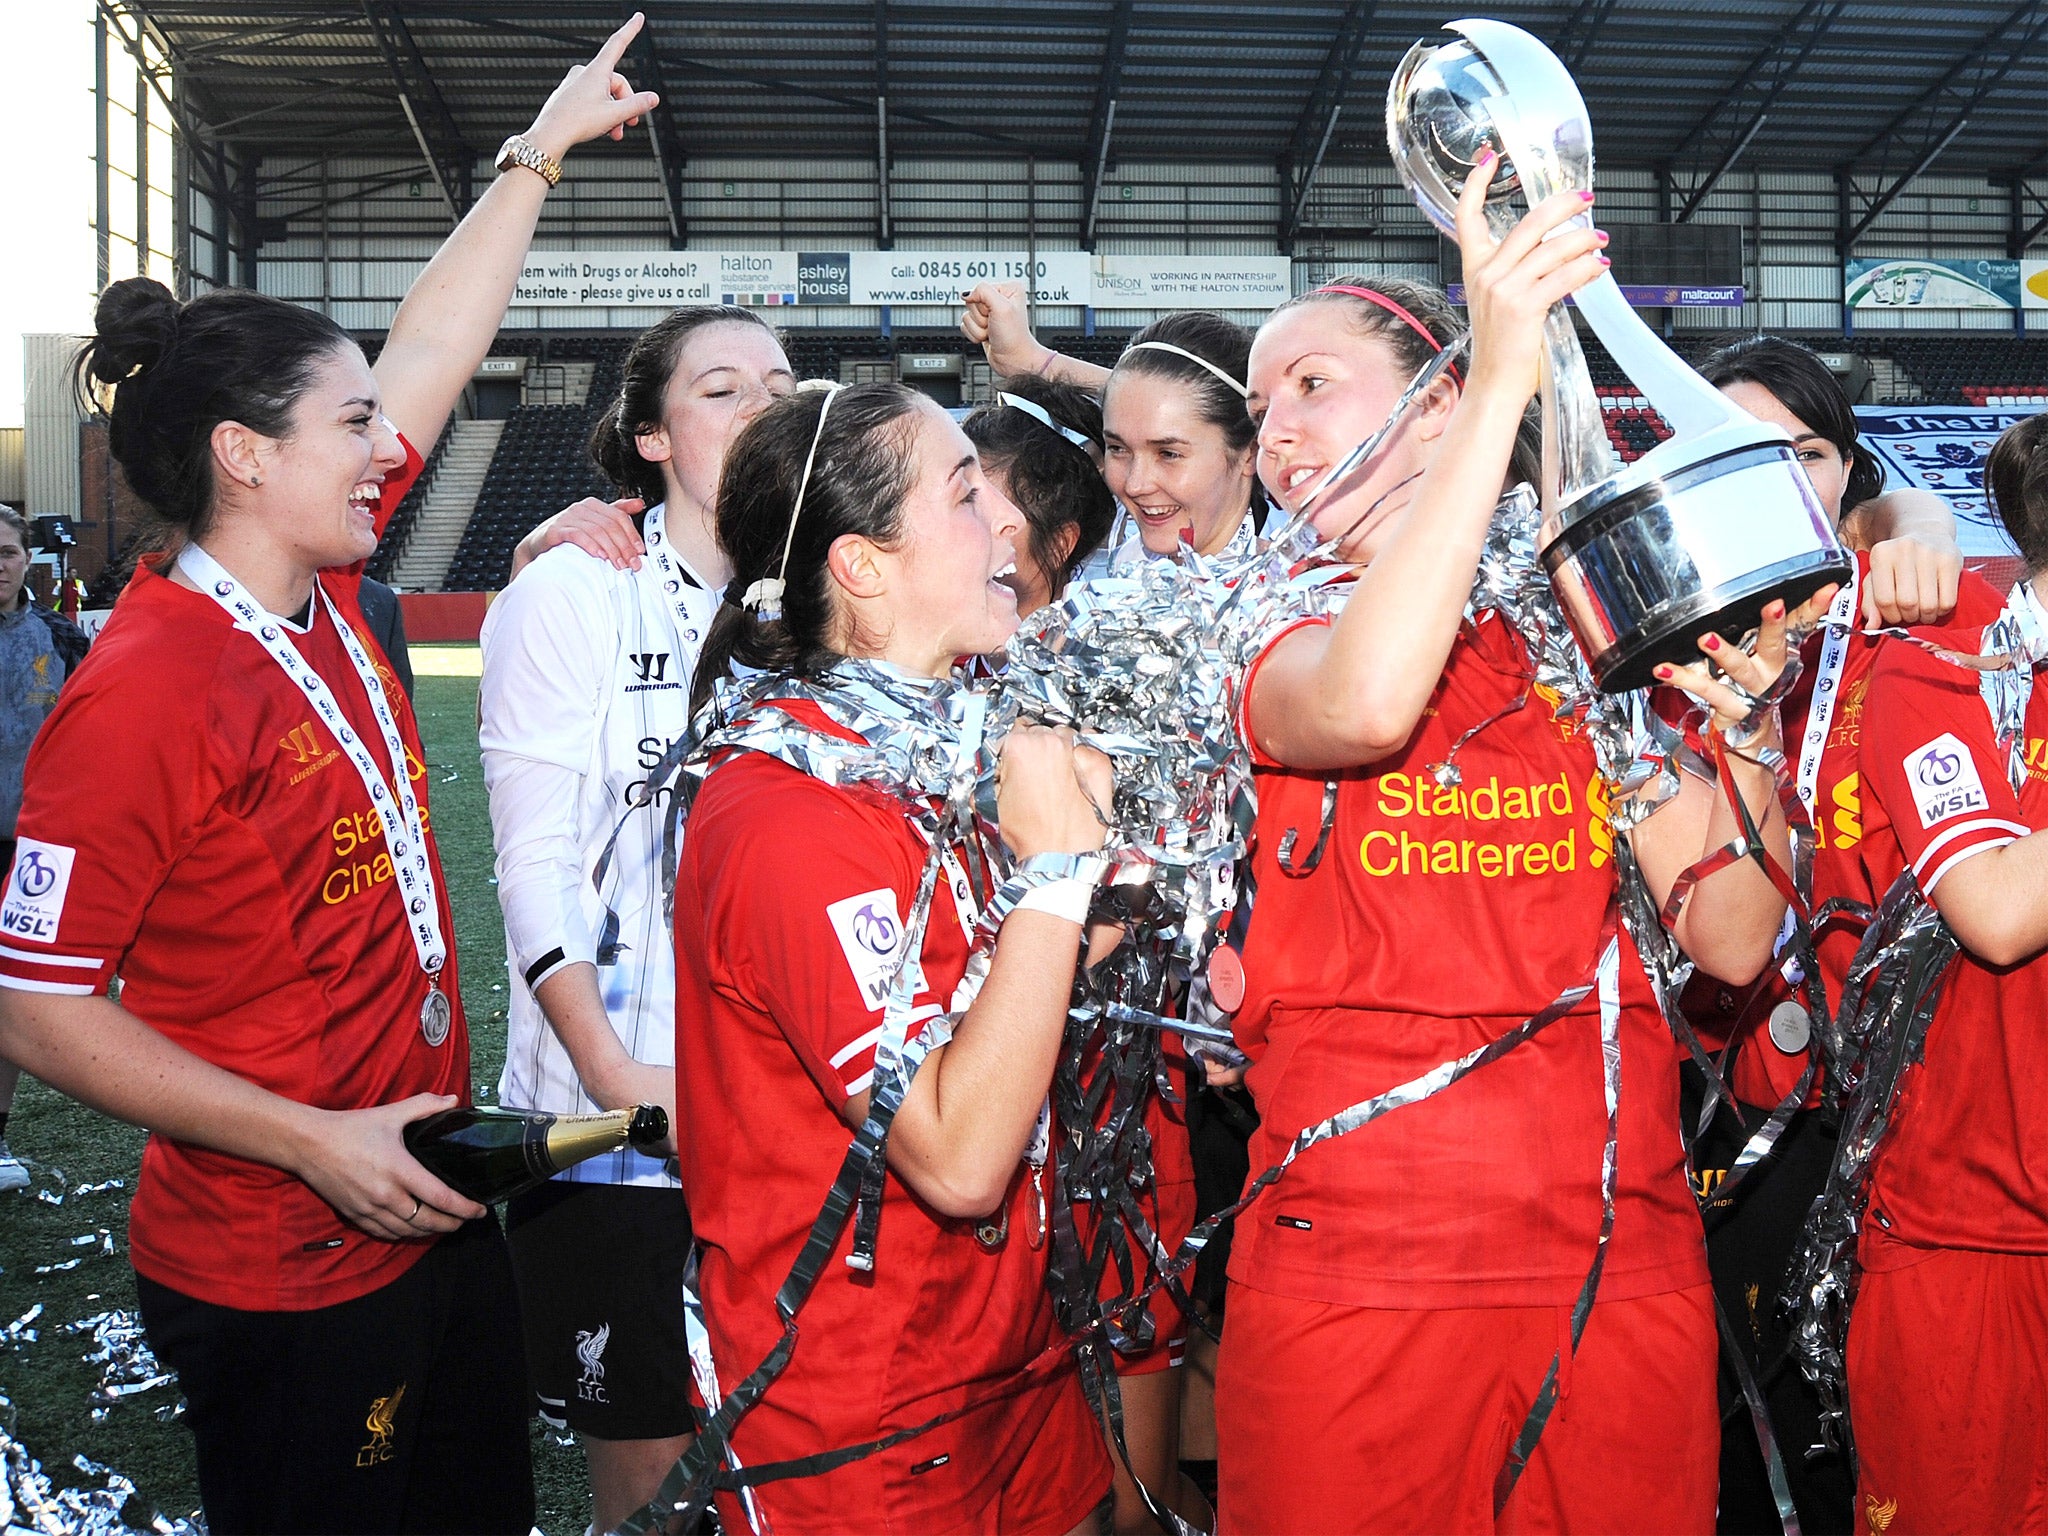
(493, 1154)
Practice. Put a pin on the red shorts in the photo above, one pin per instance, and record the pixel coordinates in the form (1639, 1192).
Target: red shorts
(1948, 1394)
(1354, 1419)
(1044, 1438)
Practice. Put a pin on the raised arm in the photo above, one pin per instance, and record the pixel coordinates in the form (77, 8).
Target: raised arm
(1351, 693)
(995, 319)
(444, 327)
(1916, 566)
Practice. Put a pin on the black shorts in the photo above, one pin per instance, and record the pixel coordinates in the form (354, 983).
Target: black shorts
(403, 1410)
(1220, 1126)
(1750, 1244)
(600, 1270)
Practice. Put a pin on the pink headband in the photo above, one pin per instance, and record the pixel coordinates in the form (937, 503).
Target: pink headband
(1381, 301)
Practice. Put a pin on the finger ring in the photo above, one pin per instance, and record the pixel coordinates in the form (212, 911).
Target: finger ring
(415, 1211)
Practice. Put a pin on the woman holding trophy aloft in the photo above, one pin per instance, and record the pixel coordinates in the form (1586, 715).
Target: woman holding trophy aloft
(1441, 1270)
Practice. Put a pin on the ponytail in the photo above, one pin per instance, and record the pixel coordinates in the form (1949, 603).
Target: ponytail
(168, 373)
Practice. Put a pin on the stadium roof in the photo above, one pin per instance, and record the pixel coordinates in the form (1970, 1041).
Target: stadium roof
(1884, 89)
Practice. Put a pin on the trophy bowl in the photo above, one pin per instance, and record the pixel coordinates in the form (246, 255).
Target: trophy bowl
(1710, 526)
(1444, 122)
(1650, 561)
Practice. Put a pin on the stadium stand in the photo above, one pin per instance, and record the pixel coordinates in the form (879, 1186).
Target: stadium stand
(542, 466)
(1948, 368)
(399, 529)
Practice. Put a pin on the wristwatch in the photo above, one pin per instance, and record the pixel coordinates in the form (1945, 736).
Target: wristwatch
(519, 150)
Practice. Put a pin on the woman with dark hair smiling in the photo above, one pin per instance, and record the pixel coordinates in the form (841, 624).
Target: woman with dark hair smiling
(1179, 442)
(1041, 449)
(257, 865)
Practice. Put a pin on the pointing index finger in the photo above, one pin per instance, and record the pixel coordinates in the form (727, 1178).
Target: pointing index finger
(615, 46)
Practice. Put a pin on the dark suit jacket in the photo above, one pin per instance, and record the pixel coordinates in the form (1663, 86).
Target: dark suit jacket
(387, 624)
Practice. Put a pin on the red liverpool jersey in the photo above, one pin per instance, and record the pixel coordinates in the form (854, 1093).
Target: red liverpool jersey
(189, 824)
(1438, 918)
(1764, 1073)
(1966, 1163)
(791, 898)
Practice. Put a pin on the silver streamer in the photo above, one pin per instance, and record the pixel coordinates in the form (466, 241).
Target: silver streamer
(128, 1366)
(31, 1501)
(1147, 667)
(30, 1498)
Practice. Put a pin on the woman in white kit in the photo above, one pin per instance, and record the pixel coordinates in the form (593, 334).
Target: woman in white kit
(587, 665)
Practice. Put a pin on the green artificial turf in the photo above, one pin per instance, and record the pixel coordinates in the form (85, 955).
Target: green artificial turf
(68, 1146)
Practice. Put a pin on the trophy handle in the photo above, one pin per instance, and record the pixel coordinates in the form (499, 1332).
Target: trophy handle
(1688, 402)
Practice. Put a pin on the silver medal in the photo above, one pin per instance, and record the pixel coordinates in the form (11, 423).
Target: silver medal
(1791, 1027)
(437, 1016)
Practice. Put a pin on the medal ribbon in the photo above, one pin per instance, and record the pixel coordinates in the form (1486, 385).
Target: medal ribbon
(407, 845)
(1839, 628)
(675, 572)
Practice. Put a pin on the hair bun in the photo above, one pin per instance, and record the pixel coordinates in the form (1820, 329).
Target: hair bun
(135, 323)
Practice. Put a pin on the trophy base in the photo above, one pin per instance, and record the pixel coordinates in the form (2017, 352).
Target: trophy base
(1651, 560)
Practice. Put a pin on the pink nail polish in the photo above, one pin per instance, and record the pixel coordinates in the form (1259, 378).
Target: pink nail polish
(1606, 261)
(1663, 671)
(1712, 642)
(1586, 197)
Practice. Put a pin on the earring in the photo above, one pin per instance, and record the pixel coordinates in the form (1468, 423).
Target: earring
(255, 480)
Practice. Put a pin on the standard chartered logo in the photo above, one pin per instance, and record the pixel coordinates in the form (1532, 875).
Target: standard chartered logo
(1491, 829)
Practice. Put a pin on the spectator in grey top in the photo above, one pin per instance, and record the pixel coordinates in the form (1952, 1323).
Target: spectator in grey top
(38, 650)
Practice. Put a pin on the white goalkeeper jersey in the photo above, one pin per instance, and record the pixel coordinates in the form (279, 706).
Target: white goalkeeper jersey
(586, 683)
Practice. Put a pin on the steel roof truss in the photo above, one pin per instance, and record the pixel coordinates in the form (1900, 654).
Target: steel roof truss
(670, 155)
(1103, 122)
(1763, 80)
(1947, 104)
(450, 161)
(1317, 124)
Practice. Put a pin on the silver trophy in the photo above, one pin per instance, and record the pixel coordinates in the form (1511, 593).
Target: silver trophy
(1706, 528)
